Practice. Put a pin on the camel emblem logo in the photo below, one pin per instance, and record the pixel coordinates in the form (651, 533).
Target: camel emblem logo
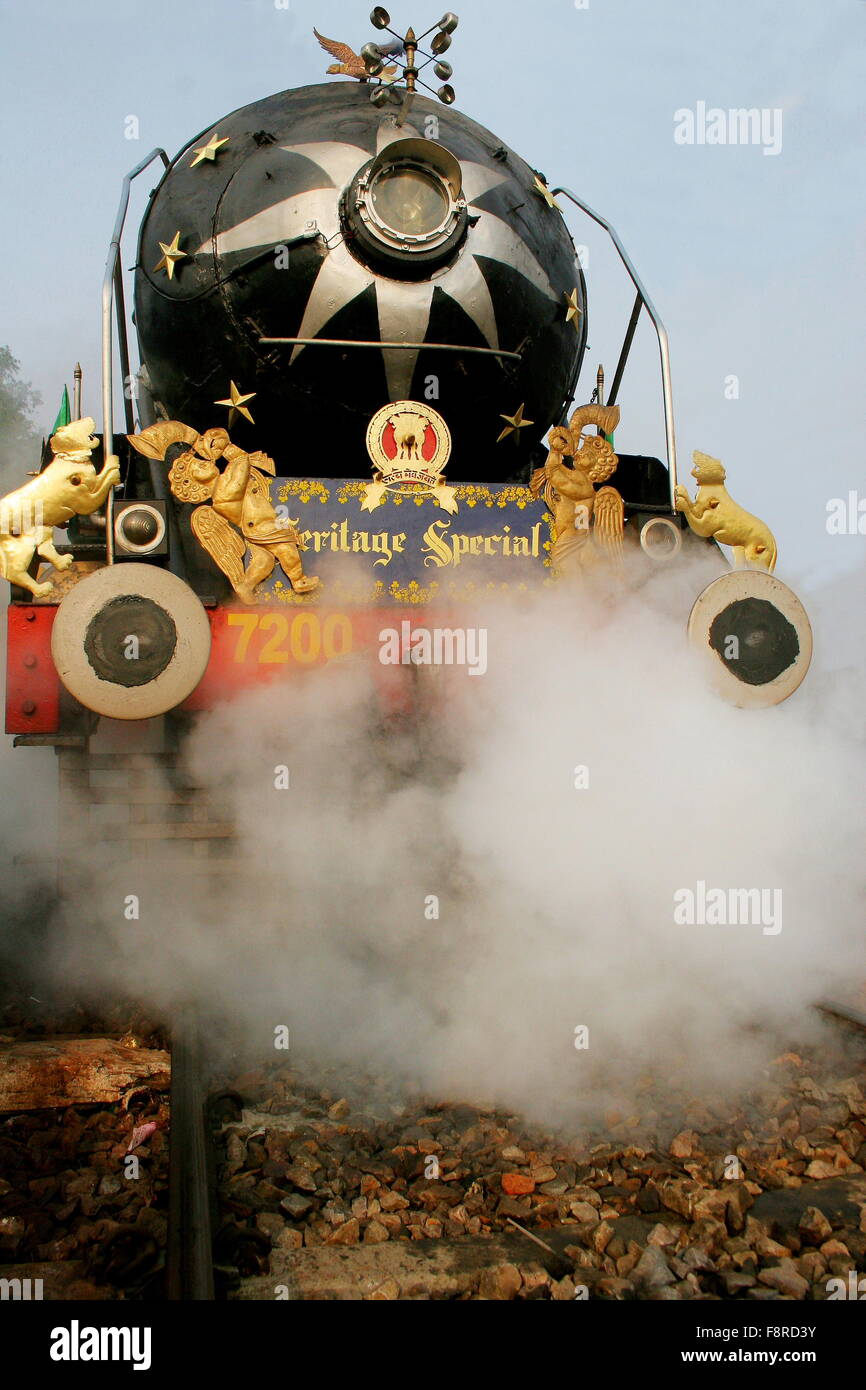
(409, 445)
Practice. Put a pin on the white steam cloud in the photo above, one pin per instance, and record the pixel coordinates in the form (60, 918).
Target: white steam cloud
(555, 901)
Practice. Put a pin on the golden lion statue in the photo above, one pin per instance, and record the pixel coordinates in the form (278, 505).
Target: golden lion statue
(69, 486)
(714, 513)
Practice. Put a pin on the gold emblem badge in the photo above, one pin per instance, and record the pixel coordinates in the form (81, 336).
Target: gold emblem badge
(409, 445)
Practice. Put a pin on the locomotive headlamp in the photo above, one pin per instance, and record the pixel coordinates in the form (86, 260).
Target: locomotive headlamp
(405, 210)
(140, 529)
(407, 200)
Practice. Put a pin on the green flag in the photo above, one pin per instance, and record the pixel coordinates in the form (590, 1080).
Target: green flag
(64, 414)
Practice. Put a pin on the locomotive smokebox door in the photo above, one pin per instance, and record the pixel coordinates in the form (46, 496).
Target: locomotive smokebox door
(327, 261)
(131, 641)
(754, 636)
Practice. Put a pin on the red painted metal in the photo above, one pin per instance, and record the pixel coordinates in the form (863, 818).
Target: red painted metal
(251, 647)
(257, 646)
(32, 683)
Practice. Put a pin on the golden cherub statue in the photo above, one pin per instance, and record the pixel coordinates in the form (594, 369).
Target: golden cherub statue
(240, 516)
(714, 513)
(69, 486)
(570, 494)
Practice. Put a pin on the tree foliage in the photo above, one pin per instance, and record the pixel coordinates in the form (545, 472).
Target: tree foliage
(20, 439)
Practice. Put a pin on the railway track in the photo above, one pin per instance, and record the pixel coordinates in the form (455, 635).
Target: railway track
(271, 1181)
(189, 1261)
(281, 1185)
(323, 1195)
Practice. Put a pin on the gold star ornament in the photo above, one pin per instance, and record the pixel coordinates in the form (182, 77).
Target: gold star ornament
(514, 424)
(208, 151)
(170, 254)
(574, 310)
(542, 189)
(236, 403)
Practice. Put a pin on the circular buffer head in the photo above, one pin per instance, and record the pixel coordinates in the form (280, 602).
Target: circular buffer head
(131, 641)
(754, 635)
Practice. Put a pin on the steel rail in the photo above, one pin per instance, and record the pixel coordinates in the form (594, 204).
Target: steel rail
(189, 1265)
(843, 1013)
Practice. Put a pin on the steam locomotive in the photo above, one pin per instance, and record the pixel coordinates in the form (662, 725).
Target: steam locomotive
(359, 314)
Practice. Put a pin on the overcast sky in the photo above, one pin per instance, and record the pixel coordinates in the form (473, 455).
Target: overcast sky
(754, 259)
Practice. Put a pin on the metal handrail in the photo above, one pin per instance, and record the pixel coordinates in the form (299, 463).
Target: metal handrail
(112, 285)
(389, 346)
(661, 333)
